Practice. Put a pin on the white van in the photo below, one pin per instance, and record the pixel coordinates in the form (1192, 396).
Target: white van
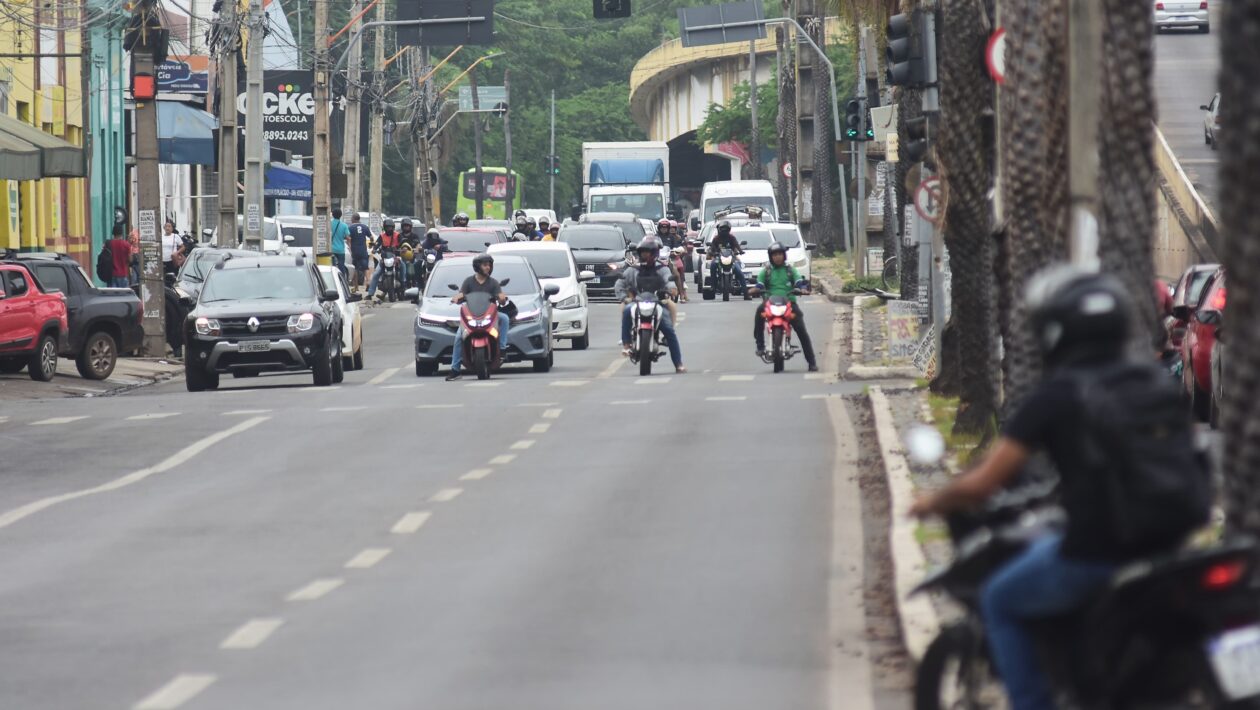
(735, 193)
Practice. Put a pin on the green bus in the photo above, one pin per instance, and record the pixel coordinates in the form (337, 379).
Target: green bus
(494, 195)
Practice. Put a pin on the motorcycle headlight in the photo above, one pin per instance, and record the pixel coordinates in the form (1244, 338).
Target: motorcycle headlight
(778, 310)
(208, 326)
(571, 302)
(389, 263)
(431, 258)
(301, 323)
(526, 316)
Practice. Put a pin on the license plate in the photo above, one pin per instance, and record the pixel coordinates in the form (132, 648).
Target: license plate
(255, 346)
(1235, 658)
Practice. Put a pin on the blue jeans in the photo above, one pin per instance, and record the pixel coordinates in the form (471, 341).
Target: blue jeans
(1037, 583)
(667, 329)
(339, 261)
(457, 354)
(120, 282)
(739, 275)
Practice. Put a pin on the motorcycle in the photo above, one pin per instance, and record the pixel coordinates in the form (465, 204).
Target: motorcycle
(480, 317)
(778, 312)
(725, 277)
(391, 275)
(1178, 630)
(647, 346)
(411, 266)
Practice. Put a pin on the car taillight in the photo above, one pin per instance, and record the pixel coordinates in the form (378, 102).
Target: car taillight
(1159, 6)
(1224, 575)
(1203, 5)
(1218, 300)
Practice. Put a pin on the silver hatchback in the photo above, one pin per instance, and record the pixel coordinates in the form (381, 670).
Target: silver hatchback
(1181, 13)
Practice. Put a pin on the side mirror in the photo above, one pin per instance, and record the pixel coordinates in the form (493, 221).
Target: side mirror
(330, 294)
(695, 223)
(505, 282)
(1182, 313)
(811, 247)
(487, 243)
(551, 289)
(187, 301)
(743, 244)
(1209, 317)
(785, 217)
(586, 276)
(412, 294)
(207, 233)
(1203, 107)
(452, 287)
(288, 239)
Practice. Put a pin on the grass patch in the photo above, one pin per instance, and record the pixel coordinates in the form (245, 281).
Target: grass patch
(856, 285)
(963, 446)
(925, 533)
(921, 383)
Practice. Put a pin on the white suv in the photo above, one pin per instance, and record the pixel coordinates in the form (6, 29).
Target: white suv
(1182, 13)
(554, 264)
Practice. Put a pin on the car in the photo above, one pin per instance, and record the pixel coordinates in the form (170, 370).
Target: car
(266, 314)
(33, 324)
(103, 321)
(193, 273)
(755, 238)
(1212, 120)
(297, 233)
(496, 224)
(1196, 347)
(1171, 14)
(553, 263)
(437, 318)
(465, 241)
(539, 214)
(630, 225)
(800, 252)
(600, 249)
(273, 242)
(351, 319)
(1185, 297)
(1219, 354)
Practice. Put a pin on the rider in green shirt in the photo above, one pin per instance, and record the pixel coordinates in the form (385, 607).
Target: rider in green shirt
(779, 278)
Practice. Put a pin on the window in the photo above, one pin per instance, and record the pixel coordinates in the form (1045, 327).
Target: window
(607, 239)
(53, 277)
(645, 206)
(15, 283)
(547, 263)
(279, 283)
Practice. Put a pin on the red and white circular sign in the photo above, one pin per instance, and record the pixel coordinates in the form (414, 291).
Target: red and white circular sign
(995, 55)
(787, 170)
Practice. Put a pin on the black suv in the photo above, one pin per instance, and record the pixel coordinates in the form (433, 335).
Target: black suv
(265, 314)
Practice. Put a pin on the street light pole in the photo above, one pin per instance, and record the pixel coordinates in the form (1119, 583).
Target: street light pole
(254, 145)
(228, 48)
(321, 189)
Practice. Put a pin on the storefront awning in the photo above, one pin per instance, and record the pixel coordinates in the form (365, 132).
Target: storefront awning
(19, 160)
(57, 157)
(185, 135)
(285, 182)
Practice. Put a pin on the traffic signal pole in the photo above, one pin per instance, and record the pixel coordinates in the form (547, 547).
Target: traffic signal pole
(507, 143)
(321, 189)
(551, 176)
(859, 216)
(1084, 96)
(148, 188)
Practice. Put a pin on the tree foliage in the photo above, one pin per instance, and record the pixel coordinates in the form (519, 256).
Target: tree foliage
(732, 121)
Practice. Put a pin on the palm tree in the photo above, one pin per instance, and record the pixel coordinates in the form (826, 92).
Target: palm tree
(1240, 218)
(786, 120)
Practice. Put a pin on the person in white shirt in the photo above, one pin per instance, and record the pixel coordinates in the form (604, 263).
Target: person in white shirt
(171, 243)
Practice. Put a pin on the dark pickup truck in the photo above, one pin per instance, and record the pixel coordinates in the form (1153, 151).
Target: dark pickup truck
(103, 321)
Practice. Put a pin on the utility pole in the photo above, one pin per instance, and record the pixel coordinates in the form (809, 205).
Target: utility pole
(859, 217)
(376, 139)
(350, 151)
(755, 143)
(254, 144)
(148, 187)
(551, 174)
(320, 193)
(1084, 57)
(481, 188)
(228, 49)
(507, 143)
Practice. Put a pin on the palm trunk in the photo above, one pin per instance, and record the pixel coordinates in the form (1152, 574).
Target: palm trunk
(786, 120)
(824, 144)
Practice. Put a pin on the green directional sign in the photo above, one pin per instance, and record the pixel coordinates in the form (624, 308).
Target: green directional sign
(487, 96)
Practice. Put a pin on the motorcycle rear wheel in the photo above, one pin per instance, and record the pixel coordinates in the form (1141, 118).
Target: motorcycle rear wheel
(778, 350)
(481, 363)
(955, 674)
(645, 352)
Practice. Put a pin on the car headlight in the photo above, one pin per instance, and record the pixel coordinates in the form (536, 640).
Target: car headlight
(799, 263)
(526, 316)
(301, 323)
(208, 326)
(616, 265)
(571, 302)
(422, 319)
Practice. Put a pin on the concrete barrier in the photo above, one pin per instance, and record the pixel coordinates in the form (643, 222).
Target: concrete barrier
(1186, 230)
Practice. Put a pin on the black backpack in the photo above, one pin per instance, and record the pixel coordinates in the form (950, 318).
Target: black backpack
(105, 264)
(1137, 435)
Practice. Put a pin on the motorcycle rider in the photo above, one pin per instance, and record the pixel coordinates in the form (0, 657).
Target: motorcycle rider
(1081, 322)
(389, 240)
(409, 247)
(724, 239)
(434, 242)
(553, 233)
(483, 266)
(668, 234)
(460, 219)
(544, 226)
(780, 278)
(522, 227)
(532, 226)
(649, 277)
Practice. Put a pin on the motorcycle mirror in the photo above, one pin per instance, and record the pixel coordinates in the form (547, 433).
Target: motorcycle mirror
(505, 282)
(288, 239)
(811, 247)
(743, 244)
(207, 233)
(354, 298)
(925, 445)
(452, 287)
(1181, 312)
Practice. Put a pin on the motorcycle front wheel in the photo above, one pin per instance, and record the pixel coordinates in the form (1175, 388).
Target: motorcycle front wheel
(955, 673)
(726, 287)
(778, 350)
(645, 352)
(481, 363)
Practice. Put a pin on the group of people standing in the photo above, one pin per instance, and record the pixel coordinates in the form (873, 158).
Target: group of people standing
(355, 240)
(118, 263)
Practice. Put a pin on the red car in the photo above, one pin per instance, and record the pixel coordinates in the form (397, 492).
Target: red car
(1196, 346)
(33, 324)
(1186, 294)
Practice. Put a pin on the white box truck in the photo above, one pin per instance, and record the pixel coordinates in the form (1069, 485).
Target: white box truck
(626, 177)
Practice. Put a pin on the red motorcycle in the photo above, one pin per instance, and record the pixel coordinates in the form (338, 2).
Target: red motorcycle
(480, 316)
(778, 313)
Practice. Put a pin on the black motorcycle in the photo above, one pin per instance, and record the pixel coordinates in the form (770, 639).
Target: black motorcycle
(1180, 630)
(391, 285)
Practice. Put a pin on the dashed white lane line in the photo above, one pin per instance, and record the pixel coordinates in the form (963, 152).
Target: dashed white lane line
(10, 517)
(368, 558)
(502, 459)
(181, 689)
(476, 474)
(445, 495)
(816, 376)
(438, 406)
(411, 522)
(522, 444)
(736, 378)
(538, 404)
(57, 420)
(653, 381)
(138, 417)
(629, 401)
(570, 383)
(552, 414)
(725, 399)
(482, 384)
(384, 375)
(5, 419)
(251, 634)
(242, 412)
(342, 409)
(818, 396)
(540, 428)
(315, 590)
(612, 368)
(402, 387)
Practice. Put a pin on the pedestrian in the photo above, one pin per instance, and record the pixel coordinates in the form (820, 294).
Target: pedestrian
(134, 240)
(120, 254)
(360, 237)
(339, 233)
(171, 243)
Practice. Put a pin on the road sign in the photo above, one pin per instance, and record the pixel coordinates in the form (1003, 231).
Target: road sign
(447, 23)
(995, 55)
(712, 24)
(787, 170)
(488, 97)
(927, 199)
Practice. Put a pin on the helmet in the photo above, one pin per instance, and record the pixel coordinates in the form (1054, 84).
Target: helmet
(387, 225)
(664, 223)
(406, 223)
(521, 219)
(433, 232)
(649, 243)
(775, 248)
(543, 220)
(1077, 315)
(724, 227)
(555, 226)
(482, 259)
(460, 220)
(519, 213)
(530, 221)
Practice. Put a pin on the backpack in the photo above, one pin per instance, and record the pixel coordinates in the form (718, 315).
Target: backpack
(105, 264)
(1137, 435)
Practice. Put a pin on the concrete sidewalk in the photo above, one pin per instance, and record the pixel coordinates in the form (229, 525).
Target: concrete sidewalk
(128, 374)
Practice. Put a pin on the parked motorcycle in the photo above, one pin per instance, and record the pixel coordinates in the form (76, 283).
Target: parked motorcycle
(646, 347)
(480, 316)
(1180, 630)
(778, 312)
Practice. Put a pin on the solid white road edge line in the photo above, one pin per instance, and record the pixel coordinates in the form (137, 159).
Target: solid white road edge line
(315, 590)
(251, 634)
(181, 689)
(368, 558)
(179, 457)
(725, 399)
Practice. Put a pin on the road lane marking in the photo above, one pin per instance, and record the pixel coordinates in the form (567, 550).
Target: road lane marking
(653, 381)
(736, 378)
(725, 399)
(343, 409)
(384, 375)
(58, 420)
(570, 383)
(368, 558)
(438, 406)
(612, 368)
(138, 417)
(482, 384)
(538, 404)
(3, 420)
(552, 414)
(411, 522)
(251, 634)
(319, 388)
(445, 495)
(540, 428)
(1198, 161)
(815, 376)
(315, 590)
(476, 474)
(368, 315)
(10, 517)
(242, 412)
(502, 459)
(181, 689)
(401, 387)
(818, 396)
(630, 401)
(522, 444)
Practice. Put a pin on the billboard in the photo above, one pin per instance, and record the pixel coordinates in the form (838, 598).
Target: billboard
(288, 110)
(186, 74)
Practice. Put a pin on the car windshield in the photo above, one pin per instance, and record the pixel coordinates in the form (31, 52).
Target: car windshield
(1198, 280)
(469, 241)
(788, 236)
(196, 268)
(547, 263)
(646, 206)
(578, 238)
(454, 272)
(754, 238)
(275, 282)
(302, 236)
(715, 204)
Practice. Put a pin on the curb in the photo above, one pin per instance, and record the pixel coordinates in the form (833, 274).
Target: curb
(919, 622)
(873, 372)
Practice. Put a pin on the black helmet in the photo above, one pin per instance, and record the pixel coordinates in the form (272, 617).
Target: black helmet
(519, 213)
(776, 248)
(650, 244)
(724, 227)
(388, 225)
(406, 223)
(460, 219)
(1077, 315)
(482, 259)
(530, 221)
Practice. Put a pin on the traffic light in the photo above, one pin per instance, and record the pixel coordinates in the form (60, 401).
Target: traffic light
(855, 123)
(611, 9)
(553, 164)
(869, 133)
(917, 142)
(904, 54)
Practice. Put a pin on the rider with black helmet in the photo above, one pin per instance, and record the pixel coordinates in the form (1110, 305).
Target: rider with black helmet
(1081, 322)
(434, 242)
(480, 281)
(649, 276)
(460, 220)
(725, 239)
(522, 227)
(387, 241)
(780, 278)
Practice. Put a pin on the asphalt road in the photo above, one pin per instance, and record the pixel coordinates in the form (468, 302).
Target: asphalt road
(584, 538)
(1186, 68)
